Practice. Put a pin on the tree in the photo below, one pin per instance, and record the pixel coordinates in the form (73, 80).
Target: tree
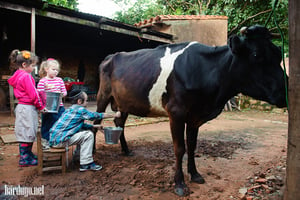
(293, 154)
(240, 12)
(138, 11)
(71, 4)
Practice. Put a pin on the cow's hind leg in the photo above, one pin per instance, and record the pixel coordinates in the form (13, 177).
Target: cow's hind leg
(177, 130)
(121, 123)
(191, 135)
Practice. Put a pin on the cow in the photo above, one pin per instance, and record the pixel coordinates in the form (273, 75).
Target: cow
(190, 83)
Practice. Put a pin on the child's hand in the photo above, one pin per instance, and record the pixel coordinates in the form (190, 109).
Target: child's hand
(44, 110)
(118, 114)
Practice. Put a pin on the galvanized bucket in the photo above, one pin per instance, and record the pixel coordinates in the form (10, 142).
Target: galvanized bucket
(112, 134)
(52, 101)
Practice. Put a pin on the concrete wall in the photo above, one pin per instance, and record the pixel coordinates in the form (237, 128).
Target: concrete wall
(207, 29)
(209, 32)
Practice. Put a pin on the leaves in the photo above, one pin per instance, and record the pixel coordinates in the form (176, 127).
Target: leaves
(240, 12)
(138, 11)
(71, 4)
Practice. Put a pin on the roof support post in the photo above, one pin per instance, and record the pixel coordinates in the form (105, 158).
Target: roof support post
(32, 30)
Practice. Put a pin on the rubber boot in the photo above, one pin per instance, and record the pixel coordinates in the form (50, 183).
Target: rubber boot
(30, 151)
(25, 157)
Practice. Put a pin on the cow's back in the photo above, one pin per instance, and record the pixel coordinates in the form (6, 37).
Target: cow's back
(138, 79)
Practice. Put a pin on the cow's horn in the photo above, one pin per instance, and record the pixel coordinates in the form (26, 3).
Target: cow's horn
(244, 30)
(275, 35)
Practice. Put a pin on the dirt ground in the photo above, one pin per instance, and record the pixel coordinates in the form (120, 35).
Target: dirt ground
(241, 155)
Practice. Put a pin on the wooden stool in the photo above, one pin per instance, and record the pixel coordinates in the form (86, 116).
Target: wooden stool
(52, 159)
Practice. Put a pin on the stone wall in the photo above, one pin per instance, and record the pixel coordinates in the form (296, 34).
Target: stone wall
(246, 102)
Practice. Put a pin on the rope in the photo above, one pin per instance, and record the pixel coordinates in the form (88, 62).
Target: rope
(273, 13)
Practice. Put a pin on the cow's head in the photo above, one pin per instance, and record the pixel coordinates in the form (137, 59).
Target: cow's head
(257, 65)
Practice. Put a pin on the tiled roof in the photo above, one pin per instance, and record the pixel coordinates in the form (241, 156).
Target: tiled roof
(161, 18)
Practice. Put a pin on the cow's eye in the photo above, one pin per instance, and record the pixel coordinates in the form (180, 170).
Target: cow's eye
(256, 57)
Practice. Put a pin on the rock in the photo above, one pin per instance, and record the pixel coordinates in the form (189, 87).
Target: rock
(265, 186)
(243, 190)
(253, 188)
(251, 181)
(133, 182)
(95, 181)
(278, 110)
(218, 189)
(271, 178)
(261, 180)
(159, 166)
(279, 178)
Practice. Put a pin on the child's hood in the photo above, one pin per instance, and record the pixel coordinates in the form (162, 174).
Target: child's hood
(13, 81)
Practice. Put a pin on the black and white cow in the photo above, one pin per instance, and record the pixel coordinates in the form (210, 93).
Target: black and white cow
(190, 83)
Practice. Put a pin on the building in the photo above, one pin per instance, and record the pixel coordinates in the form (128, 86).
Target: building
(207, 29)
(71, 37)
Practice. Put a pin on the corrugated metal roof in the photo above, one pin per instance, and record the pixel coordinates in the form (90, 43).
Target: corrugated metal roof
(162, 18)
(97, 20)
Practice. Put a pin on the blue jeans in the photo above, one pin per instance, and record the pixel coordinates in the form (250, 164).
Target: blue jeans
(48, 119)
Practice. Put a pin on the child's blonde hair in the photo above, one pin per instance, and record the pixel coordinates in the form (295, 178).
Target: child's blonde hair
(46, 64)
(18, 57)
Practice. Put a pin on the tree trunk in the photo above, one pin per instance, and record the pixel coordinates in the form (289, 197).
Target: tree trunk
(292, 191)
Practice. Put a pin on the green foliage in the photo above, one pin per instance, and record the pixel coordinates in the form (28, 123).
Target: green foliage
(71, 4)
(138, 11)
(240, 12)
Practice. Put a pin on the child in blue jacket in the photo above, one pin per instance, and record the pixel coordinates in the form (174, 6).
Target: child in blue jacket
(70, 129)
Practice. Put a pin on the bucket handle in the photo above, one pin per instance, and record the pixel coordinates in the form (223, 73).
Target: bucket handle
(99, 127)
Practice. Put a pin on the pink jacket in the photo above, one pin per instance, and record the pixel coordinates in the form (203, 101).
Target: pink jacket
(25, 90)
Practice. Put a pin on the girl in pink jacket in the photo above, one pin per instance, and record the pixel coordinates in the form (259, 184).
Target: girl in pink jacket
(29, 103)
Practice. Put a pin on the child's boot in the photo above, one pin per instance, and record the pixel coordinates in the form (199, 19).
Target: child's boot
(30, 151)
(25, 158)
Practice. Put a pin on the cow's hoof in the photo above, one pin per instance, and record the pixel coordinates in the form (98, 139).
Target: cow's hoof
(197, 178)
(182, 190)
(128, 153)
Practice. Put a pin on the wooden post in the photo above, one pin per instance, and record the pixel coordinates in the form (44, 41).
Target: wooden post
(40, 153)
(33, 30)
(292, 190)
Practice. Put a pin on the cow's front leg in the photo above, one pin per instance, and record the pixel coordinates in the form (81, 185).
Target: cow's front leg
(191, 135)
(121, 123)
(177, 130)
(102, 102)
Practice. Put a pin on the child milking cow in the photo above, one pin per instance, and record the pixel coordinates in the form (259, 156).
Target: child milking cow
(70, 129)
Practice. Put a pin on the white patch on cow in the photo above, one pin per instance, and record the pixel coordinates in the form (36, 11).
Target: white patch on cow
(167, 65)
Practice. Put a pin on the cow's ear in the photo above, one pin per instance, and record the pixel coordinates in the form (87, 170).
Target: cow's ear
(235, 44)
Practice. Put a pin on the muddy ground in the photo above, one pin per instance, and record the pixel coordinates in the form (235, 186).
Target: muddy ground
(241, 155)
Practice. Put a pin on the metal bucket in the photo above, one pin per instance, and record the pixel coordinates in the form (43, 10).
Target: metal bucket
(52, 101)
(112, 134)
